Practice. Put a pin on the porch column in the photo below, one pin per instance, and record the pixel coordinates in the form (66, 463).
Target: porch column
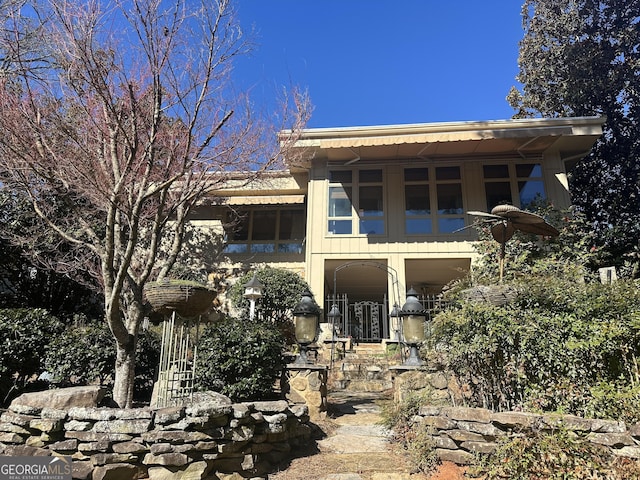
(314, 276)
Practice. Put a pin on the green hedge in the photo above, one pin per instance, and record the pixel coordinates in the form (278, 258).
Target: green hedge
(86, 354)
(24, 336)
(240, 358)
(564, 345)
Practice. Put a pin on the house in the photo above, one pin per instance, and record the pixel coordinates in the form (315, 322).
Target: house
(365, 213)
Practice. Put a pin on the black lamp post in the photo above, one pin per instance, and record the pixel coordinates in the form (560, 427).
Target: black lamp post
(334, 316)
(413, 320)
(305, 316)
(394, 315)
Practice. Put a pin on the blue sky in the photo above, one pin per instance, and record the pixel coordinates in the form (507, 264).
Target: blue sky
(381, 62)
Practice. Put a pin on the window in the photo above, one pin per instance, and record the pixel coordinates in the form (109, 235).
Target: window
(340, 193)
(417, 204)
(368, 202)
(266, 230)
(530, 184)
(444, 192)
(504, 182)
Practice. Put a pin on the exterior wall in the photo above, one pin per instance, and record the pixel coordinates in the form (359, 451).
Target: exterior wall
(395, 248)
(548, 142)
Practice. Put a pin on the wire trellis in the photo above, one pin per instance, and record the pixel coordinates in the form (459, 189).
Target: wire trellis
(178, 358)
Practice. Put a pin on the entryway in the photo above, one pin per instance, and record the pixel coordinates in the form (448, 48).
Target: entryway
(363, 321)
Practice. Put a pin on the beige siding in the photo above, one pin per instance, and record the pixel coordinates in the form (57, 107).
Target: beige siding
(468, 145)
(394, 247)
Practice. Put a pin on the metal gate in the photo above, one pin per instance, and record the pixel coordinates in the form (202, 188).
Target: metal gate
(365, 321)
(368, 321)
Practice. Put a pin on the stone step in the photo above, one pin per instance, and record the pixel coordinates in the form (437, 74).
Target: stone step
(366, 359)
(360, 367)
(365, 377)
(369, 348)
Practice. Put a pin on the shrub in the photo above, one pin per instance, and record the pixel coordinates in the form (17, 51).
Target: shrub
(240, 358)
(86, 354)
(567, 343)
(24, 336)
(617, 400)
(549, 349)
(415, 439)
(81, 355)
(556, 455)
(282, 292)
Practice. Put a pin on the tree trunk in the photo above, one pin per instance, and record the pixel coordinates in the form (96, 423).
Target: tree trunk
(126, 337)
(124, 374)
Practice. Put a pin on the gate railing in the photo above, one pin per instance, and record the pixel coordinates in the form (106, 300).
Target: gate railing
(368, 321)
(365, 321)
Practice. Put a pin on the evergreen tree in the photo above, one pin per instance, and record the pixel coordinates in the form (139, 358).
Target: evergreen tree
(582, 58)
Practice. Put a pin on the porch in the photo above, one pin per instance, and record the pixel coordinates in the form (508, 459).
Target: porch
(363, 298)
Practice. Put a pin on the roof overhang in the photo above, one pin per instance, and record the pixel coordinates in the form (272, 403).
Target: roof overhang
(526, 138)
(264, 200)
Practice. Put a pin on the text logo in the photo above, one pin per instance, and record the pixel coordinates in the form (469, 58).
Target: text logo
(35, 468)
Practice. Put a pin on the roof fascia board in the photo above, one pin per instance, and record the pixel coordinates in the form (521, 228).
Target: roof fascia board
(583, 125)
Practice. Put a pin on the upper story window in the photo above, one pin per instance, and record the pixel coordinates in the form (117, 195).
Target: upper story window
(266, 230)
(356, 202)
(340, 202)
(517, 184)
(433, 200)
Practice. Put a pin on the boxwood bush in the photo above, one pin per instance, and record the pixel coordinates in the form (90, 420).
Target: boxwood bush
(240, 358)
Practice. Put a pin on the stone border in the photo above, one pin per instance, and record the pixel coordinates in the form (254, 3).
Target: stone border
(461, 432)
(205, 439)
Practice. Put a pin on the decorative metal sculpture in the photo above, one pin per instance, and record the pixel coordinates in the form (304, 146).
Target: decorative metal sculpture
(182, 303)
(504, 220)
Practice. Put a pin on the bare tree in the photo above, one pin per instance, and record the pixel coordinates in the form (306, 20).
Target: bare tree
(115, 127)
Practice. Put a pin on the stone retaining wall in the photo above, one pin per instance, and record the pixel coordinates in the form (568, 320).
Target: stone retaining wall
(209, 438)
(461, 432)
(439, 386)
(306, 385)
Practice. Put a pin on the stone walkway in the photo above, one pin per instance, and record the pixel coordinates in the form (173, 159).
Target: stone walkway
(356, 447)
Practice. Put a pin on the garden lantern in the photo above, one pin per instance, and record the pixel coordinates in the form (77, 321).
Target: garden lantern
(334, 316)
(413, 320)
(305, 316)
(394, 315)
(253, 291)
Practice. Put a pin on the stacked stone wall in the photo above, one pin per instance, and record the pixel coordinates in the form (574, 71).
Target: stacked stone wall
(459, 433)
(306, 385)
(210, 439)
